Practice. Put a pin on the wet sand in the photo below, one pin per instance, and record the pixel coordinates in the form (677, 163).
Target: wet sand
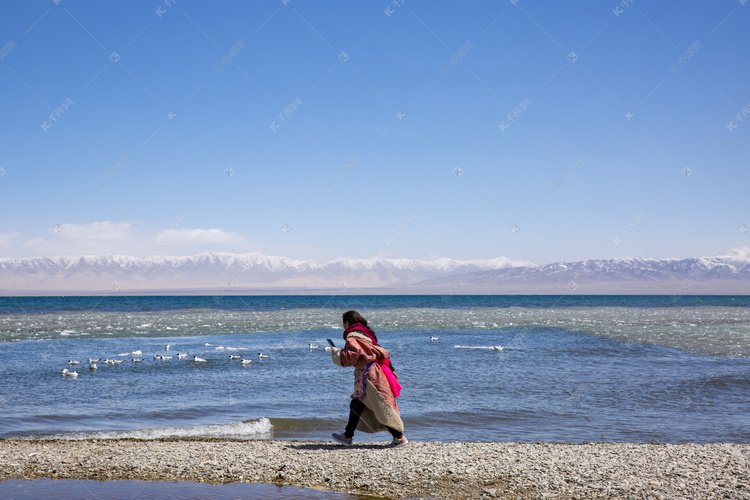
(433, 470)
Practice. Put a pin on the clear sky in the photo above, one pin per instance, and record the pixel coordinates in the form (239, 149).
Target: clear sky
(538, 131)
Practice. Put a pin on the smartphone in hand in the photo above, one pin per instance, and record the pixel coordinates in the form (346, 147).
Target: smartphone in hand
(330, 343)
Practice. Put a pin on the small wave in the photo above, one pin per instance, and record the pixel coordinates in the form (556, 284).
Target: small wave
(726, 382)
(134, 353)
(251, 429)
(493, 347)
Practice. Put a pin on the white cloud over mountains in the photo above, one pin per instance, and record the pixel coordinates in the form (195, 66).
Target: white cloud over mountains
(739, 253)
(7, 238)
(121, 238)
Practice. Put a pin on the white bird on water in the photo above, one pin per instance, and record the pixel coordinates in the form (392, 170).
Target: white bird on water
(262, 356)
(246, 361)
(94, 360)
(93, 367)
(235, 356)
(137, 360)
(71, 362)
(109, 361)
(181, 355)
(168, 346)
(312, 346)
(434, 339)
(198, 360)
(65, 373)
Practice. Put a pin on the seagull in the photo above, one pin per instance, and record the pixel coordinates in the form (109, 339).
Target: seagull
(246, 361)
(198, 360)
(168, 346)
(92, 366)
(116, 361)
(327, 348)
(235, 356)
(94, 360)
(312, 346)
(66, 373)
(166, 358)
(262, 356)
(497, 347)
(181, 355)
(157, 356)
(109, 361)
(137, 360)
(434, 339)
(71, 362)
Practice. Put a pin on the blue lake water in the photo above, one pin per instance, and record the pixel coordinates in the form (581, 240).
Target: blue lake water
(69, 489)
(666, 369)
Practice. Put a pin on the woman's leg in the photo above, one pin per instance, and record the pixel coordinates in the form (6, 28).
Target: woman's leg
(395, 433)
(355, 410)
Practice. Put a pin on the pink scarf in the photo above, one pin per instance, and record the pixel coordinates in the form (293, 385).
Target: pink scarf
(359, 327)
(385, 365)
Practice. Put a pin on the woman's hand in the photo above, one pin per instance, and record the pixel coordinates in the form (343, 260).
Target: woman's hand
(336, 356)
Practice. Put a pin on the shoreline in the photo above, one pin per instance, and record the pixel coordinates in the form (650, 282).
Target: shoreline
(420, 469)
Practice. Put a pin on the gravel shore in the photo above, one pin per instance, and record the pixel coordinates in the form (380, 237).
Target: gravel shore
(434, 470)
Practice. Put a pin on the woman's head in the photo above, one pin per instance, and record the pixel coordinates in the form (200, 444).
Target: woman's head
(353, 317)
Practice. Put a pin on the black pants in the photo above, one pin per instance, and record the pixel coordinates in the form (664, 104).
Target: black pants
(355, 410)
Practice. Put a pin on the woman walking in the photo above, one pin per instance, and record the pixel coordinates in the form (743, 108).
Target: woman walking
(373, 407)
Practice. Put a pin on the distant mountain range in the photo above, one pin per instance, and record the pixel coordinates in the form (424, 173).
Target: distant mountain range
(224, 273)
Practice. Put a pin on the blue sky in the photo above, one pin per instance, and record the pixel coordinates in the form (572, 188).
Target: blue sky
(537, 131)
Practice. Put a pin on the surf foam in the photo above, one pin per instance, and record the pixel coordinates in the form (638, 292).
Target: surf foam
(251, 429)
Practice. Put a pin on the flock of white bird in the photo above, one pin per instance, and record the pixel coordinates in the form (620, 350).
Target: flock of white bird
(68, 373)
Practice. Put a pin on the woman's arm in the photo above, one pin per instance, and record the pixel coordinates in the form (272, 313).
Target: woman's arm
(351, 355)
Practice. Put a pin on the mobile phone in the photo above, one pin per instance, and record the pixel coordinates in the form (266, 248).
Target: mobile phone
(330, 343)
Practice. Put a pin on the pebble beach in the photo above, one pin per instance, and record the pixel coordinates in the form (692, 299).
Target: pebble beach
(420, 469)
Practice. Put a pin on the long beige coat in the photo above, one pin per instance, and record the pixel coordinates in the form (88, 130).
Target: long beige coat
(381, 409)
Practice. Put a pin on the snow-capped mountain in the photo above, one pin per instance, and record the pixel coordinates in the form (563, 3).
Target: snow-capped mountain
(224, 273)
(706, 275)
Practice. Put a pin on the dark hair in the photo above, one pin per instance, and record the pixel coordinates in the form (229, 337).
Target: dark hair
(353, 317)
